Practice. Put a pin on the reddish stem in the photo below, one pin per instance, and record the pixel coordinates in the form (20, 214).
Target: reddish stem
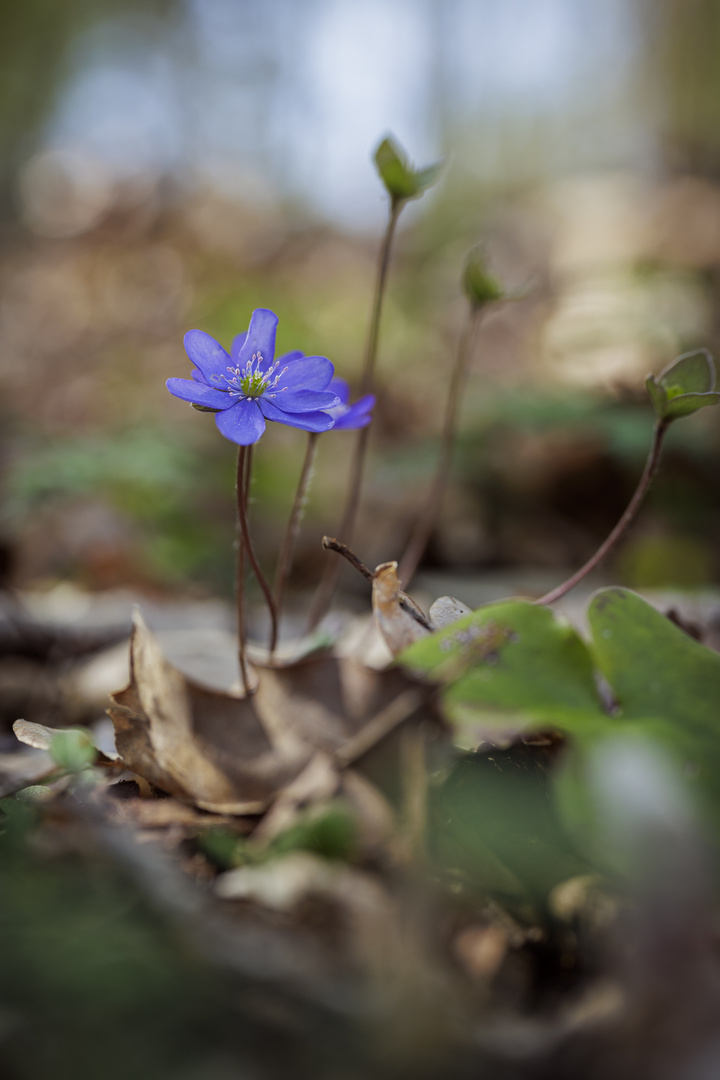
(243, 473)
(286, 554)
(428, 516)
(326, 588)
(651, 467)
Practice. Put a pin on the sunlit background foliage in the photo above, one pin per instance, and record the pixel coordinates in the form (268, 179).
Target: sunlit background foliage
(174, 164)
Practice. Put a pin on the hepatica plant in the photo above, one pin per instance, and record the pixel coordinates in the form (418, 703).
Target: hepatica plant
(244, 389)
(248, 386)
(349, 417)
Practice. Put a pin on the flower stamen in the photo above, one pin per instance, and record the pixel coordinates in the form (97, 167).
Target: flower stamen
(250, 381)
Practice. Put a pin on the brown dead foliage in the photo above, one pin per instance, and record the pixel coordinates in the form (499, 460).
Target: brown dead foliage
(235, 755)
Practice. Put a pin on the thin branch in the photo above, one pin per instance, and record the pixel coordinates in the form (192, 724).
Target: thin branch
(286, 554)
(651, 467)
(247, 544)
(330, 544)
(428, 516)
(326, 588)
(409, 606)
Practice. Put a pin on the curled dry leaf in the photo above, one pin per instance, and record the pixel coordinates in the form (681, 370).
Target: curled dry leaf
(337, 704)
(446, 610)
(378, 938)
(318, 782)
(36, 735)
(281, 883)
(399, 625)
(161, 814)
(235, 755)
(481, 949)
(375, 816)
(40, 737)
(202, 746)
(19, 770)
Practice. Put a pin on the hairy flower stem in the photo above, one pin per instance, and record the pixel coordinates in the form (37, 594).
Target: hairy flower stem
(326, 588)
(241, 495)
(243, 481)
(286, 554)
(428, 516)
(651, 467)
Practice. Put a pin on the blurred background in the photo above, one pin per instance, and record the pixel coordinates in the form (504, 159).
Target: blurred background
(176, 163)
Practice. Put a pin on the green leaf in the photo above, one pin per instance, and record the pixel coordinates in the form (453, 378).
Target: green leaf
(35, 793)
(618, 795)
(480, 288)
(691, 373)
(72, 749)
(401, 180)
(667, 686)
(684, 386)
(493, 827)
(658, 396)
(204, 408)
(685, 404)
(509, 661)
(654, 668)
(331, 832)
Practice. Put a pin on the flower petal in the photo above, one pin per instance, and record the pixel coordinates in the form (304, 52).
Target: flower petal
(243, 423)
(341, 388)
(354, 416)
(290, 357)
(300, 401)
(238, 342)
(208, 355)
(198, 376)
(309, 421)
(199, 393)
(260, 339)
(310, 373)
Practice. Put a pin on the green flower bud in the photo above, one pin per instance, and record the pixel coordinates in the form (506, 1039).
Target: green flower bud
(480, 288)
(684, 386)
(401, 180)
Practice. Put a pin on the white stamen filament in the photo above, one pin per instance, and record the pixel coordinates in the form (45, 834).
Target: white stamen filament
(257, 382)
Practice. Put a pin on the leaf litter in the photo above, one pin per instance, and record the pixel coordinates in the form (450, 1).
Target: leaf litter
(247, 791)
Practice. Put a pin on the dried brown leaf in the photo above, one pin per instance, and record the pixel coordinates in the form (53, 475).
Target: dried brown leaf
(235, 755)
(281, 883)
(481, 949)
(328, 701)
(19, 770)
(446, 610)
(40, 737)
(162, 813)
(200, 745)
(375, 816)
(36, 735)
(399, 628)
(317, 783)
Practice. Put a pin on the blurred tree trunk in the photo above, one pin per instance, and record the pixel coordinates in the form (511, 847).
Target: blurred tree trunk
(36, 45)
(683, 50)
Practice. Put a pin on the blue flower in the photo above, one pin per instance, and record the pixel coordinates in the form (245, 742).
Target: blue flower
(249, 386)
(348, 416)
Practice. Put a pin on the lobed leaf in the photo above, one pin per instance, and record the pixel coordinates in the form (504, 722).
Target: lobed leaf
(507, 661)
(654, 668)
